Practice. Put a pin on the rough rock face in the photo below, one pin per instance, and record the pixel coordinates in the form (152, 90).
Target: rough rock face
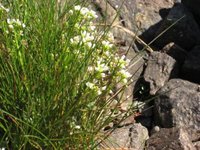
(175, 51)
(160, 67)
(178, 105)
(191, 66)
(178, 101)
(184, 33)
(130, 137)
(170, 139)
(138, 16)
(149, 16)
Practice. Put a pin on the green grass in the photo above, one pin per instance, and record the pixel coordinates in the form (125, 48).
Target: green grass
(57, 72)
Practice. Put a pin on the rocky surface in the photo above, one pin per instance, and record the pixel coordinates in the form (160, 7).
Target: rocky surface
(185, 32)
(136, 17)
(170, 72)
(130, 137)
(176, 52)
(160, 68)
(178, 105)
(170, 139)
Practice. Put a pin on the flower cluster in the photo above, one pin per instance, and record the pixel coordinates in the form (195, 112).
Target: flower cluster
(10, 25)
(15, 22)
(106, 64)
(85, 12)
(15, 25)
(13, 31)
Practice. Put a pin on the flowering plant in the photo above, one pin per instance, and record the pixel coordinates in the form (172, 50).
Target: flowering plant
(58, 70)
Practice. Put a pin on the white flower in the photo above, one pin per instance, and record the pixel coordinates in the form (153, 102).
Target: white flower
(75, 40)
(107, 53)
(71, 12)
(15, 22)
(107, 44)
(124, 81)
(77, 127)
(110, 92)
(90, 69)
(84, 11)
(77, 7)
(92, 28)
(18, 22)
(99, 92)
(10, 26)
(86, 36)
(125, 74)
(95, 81)
(104, 88)
(103, 75)
(23, 25)
(101, 67)
(122, 62)
(8, 21)
(93, 14)
(90, 85)
(89, 44)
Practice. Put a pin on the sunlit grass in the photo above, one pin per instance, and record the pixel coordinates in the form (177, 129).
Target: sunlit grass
(57, 73)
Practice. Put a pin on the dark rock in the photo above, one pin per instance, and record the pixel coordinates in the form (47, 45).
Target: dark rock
(146, 114)
(160, 68)
(191, 66)
(170, 139)
(130, 137)
(185, 32)
(141, 14)
(175, 51)
(149, 15)
(178, 105)
(193, 6)
(135, 16)
(145, 121)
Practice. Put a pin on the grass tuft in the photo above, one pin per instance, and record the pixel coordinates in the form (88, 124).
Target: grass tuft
(57, 72)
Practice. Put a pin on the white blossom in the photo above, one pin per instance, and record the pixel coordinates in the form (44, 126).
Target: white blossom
(77, 127)
(107, 44)
(99, 92)
(104, 88)
(125, 74)
(77, 7)
(90, 85)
